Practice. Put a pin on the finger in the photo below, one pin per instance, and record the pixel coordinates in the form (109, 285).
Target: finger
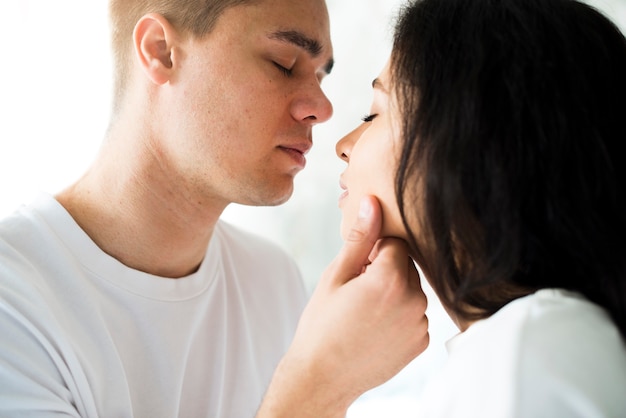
(414, 275)
(392, 255)
(360, 241)
(392, 251)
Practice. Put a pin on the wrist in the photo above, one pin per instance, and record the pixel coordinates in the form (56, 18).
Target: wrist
(299, 389)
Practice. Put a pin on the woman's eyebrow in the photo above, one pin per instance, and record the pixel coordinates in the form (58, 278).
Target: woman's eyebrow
(377, 84)
(310, 45)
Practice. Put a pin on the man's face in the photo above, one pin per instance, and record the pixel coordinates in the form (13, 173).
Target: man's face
(242, 106)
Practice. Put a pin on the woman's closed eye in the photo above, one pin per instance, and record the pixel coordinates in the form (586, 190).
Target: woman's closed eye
(369, 117)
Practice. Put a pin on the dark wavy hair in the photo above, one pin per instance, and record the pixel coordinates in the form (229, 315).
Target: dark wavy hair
(512, 163)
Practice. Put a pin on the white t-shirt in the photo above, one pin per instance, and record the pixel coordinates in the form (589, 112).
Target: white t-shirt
(84, 335)
(552, 354)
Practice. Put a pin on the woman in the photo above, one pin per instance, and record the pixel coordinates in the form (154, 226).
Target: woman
(494, 146)
(503, 123)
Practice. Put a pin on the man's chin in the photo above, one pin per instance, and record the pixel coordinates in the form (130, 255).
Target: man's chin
(269, 198)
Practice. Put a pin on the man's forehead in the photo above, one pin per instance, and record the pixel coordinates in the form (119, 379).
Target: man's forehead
(302, 23)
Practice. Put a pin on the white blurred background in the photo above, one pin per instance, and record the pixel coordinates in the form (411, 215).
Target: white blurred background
(55, 83)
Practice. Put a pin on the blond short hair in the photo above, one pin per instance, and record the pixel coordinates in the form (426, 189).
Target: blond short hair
(195, 17)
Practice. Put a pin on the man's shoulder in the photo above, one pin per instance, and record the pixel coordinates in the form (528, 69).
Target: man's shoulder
(29, 242)
(18, 233)
(29, 221)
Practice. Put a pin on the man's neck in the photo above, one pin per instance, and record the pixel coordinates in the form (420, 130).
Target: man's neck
(134, 212)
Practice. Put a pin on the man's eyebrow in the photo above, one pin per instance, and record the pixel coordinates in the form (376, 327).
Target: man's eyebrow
(299, 39)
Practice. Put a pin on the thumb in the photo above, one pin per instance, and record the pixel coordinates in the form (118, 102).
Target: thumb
(360, 241)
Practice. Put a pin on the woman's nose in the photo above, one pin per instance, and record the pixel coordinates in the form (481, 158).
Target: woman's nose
(345, 144)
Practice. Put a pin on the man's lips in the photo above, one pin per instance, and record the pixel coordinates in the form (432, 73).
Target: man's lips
(297, 151)
(301, 147)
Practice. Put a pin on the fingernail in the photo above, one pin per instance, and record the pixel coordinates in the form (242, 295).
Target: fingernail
(365, 209)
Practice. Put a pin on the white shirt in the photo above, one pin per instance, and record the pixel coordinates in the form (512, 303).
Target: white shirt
(552, 354)
(84, 335)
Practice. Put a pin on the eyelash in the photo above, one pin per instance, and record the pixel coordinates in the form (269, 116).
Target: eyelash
(369, 117)
(286, 71)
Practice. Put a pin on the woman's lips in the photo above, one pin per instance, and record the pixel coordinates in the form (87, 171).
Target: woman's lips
(345, 193)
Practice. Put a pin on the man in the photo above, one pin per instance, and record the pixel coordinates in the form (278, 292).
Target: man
(124, 295)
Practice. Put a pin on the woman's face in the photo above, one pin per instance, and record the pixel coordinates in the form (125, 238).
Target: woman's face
(372, 152)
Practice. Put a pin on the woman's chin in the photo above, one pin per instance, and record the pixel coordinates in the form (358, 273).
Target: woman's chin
(344, 228)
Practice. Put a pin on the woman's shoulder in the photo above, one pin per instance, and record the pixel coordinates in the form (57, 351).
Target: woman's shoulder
(552, 353)
(548, 318)
(569, 358)
(556, 329)
(557, 320)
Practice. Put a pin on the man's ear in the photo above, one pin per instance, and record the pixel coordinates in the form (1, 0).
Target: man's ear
(153, 41)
